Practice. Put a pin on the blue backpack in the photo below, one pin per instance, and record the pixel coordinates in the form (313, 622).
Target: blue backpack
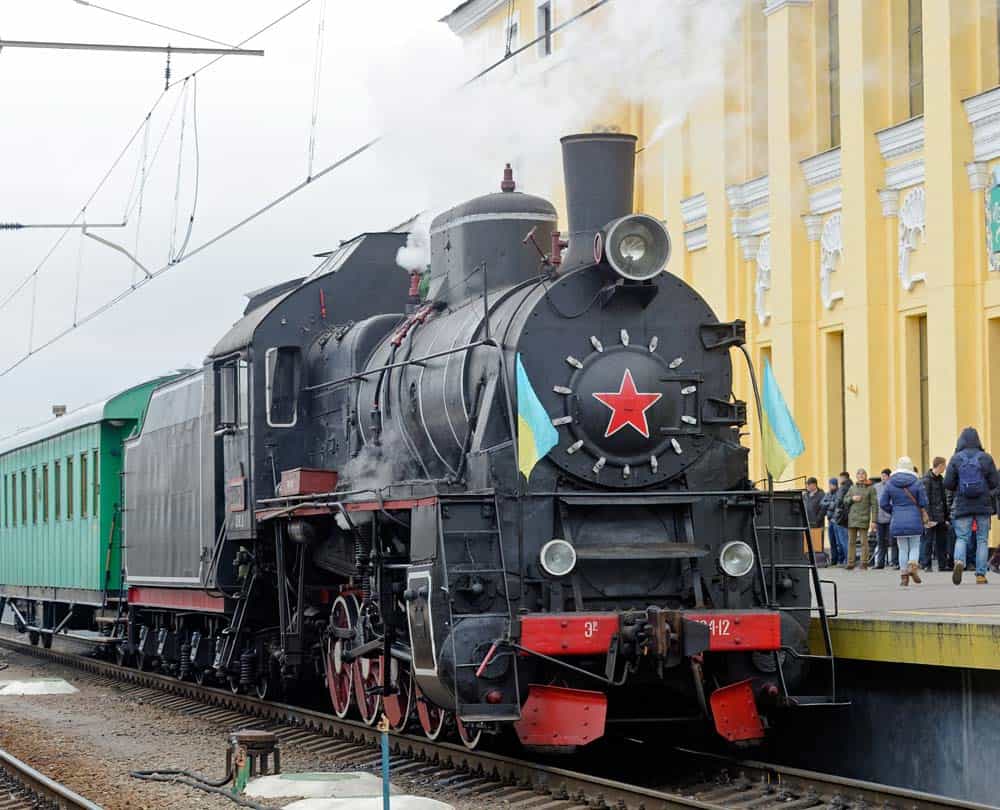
(971, 481)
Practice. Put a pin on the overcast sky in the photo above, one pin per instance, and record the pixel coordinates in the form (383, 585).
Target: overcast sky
(66, 115)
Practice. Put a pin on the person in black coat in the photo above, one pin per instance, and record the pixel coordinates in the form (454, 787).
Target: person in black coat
(971, 476)
(935, 540)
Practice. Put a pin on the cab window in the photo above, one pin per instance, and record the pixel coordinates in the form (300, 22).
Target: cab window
(283, 372)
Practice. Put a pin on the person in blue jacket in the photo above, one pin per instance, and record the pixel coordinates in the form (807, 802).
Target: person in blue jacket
(904, 498)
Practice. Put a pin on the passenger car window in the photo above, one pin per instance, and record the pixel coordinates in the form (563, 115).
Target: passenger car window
(283, 376)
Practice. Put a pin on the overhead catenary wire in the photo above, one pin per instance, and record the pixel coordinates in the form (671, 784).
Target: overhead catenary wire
(317, 81)
(122, 295)
(153, 23)
(180, 167)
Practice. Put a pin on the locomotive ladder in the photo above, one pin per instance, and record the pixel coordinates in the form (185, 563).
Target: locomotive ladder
(486, 536)
(762, 532)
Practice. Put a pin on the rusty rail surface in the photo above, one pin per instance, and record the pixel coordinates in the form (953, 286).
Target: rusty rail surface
(36, 789)
(730, 782)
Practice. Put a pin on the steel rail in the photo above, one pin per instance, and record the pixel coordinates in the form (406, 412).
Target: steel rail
(46, 789)
(744, 780)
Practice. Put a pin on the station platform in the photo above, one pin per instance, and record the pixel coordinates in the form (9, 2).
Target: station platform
(935, 623)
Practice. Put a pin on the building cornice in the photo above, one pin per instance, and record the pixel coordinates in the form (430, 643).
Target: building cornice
(821, 168)
(901, 139)
(748, 195)
(905, 175)
(825, 201)
(983, 112)
(772, 6)
(694, 214)
(469, 13)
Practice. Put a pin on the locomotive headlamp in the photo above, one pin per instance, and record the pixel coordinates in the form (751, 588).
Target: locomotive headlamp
(736, 558)
(557, 558)
(636, 246)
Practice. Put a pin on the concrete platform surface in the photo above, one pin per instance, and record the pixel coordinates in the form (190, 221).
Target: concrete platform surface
(398, 803)
(935, 623)
(346, 785)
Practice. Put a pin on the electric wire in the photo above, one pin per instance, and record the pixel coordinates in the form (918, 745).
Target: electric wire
(142, 189)
(116, 299)
(180, 167)
(197, 167)
(153, 23)
(317, 77)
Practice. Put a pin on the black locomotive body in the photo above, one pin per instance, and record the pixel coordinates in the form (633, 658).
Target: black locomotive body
(389, 516)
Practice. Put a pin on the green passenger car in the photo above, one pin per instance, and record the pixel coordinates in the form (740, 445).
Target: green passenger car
(60, 496)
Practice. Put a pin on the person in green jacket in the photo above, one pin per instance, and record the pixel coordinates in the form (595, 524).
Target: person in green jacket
(862, 502)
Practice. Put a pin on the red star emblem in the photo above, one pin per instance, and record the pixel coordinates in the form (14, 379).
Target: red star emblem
(628, 407)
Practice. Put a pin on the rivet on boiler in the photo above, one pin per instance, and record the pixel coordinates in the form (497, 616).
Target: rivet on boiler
(688, 389)
(653, 343)
(654, 463)
(596, 343)
(562, 420)
(676, 362)
(574, 447)
(676, 445)
(574, 362)
(599, 464)
(562, 389)
(624, 336)
(626, 471)
(690, 420)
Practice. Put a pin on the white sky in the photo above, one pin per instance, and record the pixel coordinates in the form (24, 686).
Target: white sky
(65, 115)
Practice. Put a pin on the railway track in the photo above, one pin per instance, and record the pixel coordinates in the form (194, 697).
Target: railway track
(24, 788)
(710, 782)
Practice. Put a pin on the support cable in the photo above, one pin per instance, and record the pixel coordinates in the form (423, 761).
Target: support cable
(153, 23)
(79, 272)
(317, 77)
(197, 168)
(171, 255)
(142, 190)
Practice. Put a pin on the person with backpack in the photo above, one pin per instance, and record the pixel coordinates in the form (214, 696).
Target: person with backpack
(971, 476)
(903, 497)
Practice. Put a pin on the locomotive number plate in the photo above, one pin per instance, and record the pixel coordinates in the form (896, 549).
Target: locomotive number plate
(740, 630)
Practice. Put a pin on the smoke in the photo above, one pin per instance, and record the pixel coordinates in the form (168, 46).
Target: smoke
(376, 466)
(416, 255)
(452, 141)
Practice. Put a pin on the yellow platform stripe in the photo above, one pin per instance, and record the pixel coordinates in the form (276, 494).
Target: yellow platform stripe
(942, 644)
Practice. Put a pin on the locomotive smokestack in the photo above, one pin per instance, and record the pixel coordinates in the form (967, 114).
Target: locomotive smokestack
(599, 170)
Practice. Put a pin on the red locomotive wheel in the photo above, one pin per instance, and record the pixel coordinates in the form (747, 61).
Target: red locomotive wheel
(340, 673)
(367, 682)
(431, 717)
(399, 707)
(469, 737)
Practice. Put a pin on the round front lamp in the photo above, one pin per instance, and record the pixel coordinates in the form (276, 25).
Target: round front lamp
(736, 558)
(557, 558)
(636, 246)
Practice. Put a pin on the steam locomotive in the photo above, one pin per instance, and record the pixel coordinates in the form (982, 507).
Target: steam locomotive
(509, 492)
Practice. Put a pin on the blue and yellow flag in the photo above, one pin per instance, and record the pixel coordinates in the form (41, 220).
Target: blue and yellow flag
(782, 440)
(535, 434)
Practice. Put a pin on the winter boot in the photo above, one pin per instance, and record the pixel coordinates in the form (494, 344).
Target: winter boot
(980, 579)
(904, 579)
(914, 572)
(956, 574)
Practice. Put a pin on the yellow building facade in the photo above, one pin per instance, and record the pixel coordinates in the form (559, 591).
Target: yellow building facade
(831, 190)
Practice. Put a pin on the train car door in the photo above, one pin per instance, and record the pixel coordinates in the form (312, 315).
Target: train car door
(233, 432)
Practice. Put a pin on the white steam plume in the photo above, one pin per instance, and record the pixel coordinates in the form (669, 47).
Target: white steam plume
(416, 255)
(453, 142)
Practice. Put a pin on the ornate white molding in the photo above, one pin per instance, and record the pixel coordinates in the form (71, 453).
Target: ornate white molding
(979, 175)
(825, 201)
(751, 194)
(983, 112)
(468, 14)
(771, 6)
(831, 249)
(814, 226)
(902, 138)
(912, 222)
(905, 175)
(696, 238)
(889, 198)
(762, 283)
(821, 168)
(749, 245)
(694, 213)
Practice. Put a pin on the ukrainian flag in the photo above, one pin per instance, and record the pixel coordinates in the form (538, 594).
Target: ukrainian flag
(782, 440)
(535, 434)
